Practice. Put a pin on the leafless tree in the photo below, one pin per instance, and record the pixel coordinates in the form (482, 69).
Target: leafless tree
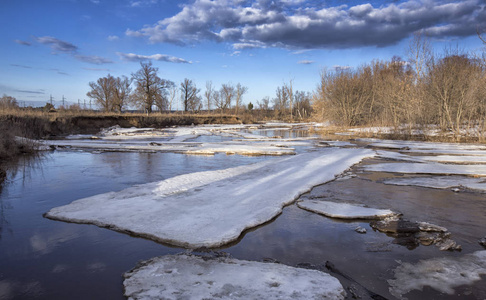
(189, 95)
(209, 95)
(173, 94)
(121, 93)
(289, 91)
(149, 87)
(227, 93)
(239, 91)
(8, 102)
(102, 92)
(162, 102)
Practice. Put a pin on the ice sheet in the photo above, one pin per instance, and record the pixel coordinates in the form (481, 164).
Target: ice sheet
(192, 277)
(344, 210)
(443, 274)
(243, 148)
(459, 159)
(441, 182)
(213, 211)
(428, 168)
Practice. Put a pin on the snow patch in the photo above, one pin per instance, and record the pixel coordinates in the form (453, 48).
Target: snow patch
(211, 209)
(193, 277)
(344, 210)
(442, 274)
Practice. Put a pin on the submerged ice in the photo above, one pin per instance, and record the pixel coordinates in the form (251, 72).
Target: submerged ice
(211, 209)
(443, 274)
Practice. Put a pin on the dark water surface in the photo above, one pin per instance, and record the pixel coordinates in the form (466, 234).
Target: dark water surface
(46, 259)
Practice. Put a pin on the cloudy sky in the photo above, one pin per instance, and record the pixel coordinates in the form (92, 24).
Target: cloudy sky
(56, 47)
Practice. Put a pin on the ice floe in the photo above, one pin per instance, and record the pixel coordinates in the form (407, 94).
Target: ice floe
(442, 274)
(193, 277)
(180, 140)
(428, 168)
(441, 182)
(344, 210)
(459, 159)
(211, 209)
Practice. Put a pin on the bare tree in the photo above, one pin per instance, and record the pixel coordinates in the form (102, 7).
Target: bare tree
(209, 95)
(240, 90)
(162, 102)
(8, 102)
(149, 86)
(102, 92)
(420, 54)
(189, 95)
(173, 94)
(121, 93)
(227, 93)
(289, 91)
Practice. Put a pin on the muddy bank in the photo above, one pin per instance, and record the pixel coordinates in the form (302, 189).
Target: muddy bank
(49, 125)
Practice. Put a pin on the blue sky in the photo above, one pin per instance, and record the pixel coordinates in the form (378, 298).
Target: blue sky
(56, 47)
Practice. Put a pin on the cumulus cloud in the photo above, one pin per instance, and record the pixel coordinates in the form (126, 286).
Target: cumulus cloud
(158, 57)
(112, 38)
(307, 24)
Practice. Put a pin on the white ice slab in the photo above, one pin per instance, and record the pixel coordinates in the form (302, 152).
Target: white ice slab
(442, 274)
(344, 210)
(441, 182)
(428, 168)
(216, 211)
(398, 156)
(191, 277)
(458, 159)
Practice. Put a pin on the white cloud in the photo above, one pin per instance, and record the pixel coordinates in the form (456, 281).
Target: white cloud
(57, 44)
(112, 38)
(158, 57)
(305, 24)
(306, 62)
(93, 59)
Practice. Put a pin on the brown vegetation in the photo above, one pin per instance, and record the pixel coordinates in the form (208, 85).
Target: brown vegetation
(447, 92)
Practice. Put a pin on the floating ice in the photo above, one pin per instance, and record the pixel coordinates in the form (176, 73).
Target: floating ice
(428, 168)
(344, 210)
(461, 159)
(443, 274)
(441, 182)
(210, 209)
(192, 277)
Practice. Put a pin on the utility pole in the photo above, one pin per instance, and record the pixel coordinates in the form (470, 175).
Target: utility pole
(84, 104)
(89, 104)
(63, 101)
(50, 100)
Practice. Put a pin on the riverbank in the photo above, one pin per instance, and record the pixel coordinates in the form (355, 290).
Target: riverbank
(38, 125)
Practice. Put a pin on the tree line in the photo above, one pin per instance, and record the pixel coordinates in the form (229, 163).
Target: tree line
(445, 91)
(114, 94)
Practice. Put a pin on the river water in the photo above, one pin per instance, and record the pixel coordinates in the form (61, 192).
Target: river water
(46, 259)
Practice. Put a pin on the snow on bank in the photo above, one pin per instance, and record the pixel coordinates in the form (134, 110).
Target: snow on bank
(344, 210)
(243, 148)
(215, 211)
(442, 274)
(441, 182)
(193, 277)
(428, 168)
